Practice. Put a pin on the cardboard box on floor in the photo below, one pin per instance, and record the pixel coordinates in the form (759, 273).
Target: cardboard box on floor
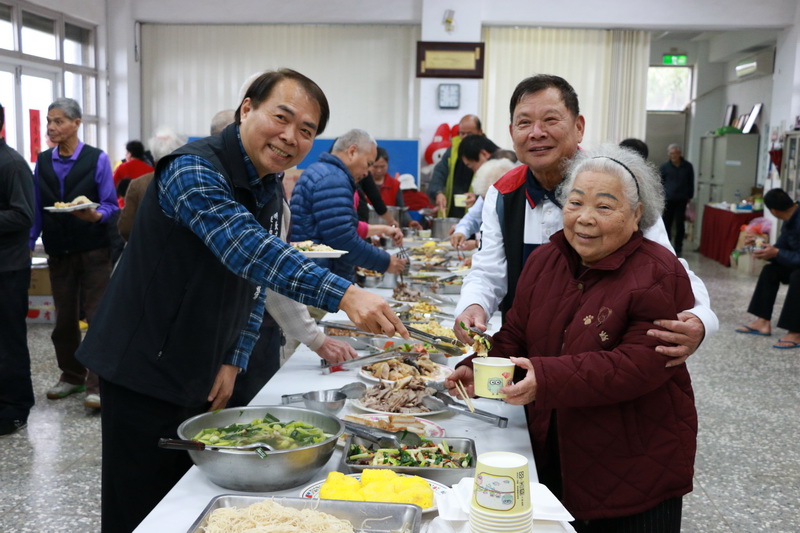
(41, 309)
(749, 264)
(40, 281)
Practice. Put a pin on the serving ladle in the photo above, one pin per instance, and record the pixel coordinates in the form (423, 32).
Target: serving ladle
(330, 401)
(260, 448)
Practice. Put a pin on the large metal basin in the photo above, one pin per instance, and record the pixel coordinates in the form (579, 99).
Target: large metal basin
(280, 469)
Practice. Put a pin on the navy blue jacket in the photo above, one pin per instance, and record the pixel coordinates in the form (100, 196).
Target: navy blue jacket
(788, 242)
(323, 212)
(678, 181)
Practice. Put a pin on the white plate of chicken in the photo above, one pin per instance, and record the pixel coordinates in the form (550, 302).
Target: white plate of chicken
(395, 369)
(403, 396)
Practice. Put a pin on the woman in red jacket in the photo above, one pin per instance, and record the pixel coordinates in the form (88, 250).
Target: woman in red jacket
(613, 429)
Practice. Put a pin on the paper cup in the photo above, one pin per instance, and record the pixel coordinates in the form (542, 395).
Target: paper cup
(492, 374)
(501, 486)
(460, 200)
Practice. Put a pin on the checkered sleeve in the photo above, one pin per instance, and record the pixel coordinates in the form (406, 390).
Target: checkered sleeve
(194, 193)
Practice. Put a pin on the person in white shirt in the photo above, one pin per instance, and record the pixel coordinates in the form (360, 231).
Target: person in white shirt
(520, 212)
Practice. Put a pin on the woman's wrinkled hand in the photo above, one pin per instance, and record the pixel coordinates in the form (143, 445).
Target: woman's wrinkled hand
(523, 392)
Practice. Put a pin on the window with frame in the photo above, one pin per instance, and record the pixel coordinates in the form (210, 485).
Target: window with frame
(45, 55)
(669, 88)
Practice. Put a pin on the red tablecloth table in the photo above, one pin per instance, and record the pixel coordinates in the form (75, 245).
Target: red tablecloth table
(721, 231)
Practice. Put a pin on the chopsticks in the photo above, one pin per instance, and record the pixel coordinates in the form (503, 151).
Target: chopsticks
(463, 392)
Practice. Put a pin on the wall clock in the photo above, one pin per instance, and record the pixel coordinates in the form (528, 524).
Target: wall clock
(449, 96)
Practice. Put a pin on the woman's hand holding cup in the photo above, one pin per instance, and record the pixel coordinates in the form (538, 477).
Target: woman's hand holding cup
(523, 392)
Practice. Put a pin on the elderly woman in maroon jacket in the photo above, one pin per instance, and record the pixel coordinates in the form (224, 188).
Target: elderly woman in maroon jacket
(613, 429)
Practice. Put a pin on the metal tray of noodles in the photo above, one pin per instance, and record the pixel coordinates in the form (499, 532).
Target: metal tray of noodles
(366, 517)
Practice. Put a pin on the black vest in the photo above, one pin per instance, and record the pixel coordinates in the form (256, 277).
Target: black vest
(512, 224)
(64, 233)
(172, 310)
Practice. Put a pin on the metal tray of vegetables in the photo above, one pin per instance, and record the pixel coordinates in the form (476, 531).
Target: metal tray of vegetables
(446, 460)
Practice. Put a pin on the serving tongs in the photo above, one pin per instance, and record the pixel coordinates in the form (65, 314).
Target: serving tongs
(349, 327)
(447, 345)
(382, 437)
(358, 362)
(437, 299)
(442, 401)
(404, 307)
(260, 448)
(411, 316)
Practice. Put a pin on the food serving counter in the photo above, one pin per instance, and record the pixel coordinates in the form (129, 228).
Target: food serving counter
(186, 501)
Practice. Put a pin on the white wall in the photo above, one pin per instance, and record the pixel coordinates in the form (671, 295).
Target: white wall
(639, 14)
(115, 33)
(467, 28)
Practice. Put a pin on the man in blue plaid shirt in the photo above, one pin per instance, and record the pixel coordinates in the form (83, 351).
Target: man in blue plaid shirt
(181, 314)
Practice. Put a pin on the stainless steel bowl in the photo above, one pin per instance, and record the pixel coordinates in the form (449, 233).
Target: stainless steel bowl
(369, 282)
(327, 401)
(280, 469)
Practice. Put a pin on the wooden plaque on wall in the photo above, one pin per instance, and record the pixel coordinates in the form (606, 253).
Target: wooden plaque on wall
(439, 59)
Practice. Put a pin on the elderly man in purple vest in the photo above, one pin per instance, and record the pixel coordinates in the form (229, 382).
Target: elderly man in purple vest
(77, 242)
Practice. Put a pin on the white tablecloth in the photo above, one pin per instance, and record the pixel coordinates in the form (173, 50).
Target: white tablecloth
(302, 373)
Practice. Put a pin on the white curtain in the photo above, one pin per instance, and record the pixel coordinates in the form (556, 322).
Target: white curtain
(189, 72)
(607, 68)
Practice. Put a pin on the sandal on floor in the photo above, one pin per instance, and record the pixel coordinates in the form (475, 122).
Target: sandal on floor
(751, 331)
(789, 345)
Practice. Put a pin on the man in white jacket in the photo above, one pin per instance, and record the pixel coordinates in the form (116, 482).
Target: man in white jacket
(520, 213)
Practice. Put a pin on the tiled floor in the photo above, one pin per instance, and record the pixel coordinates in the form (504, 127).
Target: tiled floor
(748, 463)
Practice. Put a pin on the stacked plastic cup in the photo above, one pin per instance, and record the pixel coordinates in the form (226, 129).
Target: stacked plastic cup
(501, 499)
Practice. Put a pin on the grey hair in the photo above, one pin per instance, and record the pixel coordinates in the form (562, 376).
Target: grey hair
(675, 146)
(609, 159)
(357, 137)
(71, 108)
(222, 119)
(163, 142)
(490, 171)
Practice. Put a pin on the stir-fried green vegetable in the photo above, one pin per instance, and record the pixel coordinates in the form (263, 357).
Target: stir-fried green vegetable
(427, 455)
(481, 345)
(269, 430)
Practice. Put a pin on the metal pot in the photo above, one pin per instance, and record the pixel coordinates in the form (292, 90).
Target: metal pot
(441, 227)
(389, 281)
(280, 469)
(375, 218)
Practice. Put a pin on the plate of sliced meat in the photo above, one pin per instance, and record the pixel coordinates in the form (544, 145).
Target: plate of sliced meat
(403, 396)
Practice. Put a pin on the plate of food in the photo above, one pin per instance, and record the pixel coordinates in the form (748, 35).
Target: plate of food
(395, 369)
(377, 483)
(313, 250)
(421, 426)
(401, 397)
(81, 202)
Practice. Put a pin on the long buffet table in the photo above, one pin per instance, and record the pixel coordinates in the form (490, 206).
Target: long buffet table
(187, 500)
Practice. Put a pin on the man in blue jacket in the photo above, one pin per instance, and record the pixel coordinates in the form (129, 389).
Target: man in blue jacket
(783, 267)
(323, 208)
